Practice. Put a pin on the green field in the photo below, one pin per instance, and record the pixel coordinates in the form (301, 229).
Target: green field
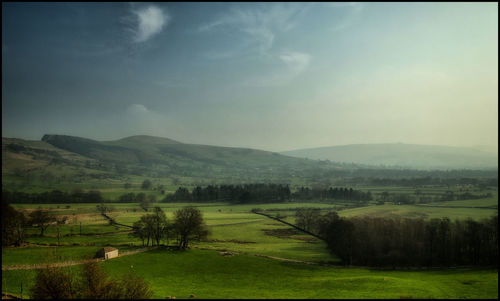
(202, 270)
(207, 274)
(37, 255)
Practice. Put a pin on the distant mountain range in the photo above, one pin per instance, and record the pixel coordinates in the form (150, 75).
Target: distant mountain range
(152, 157)
(402, 155)
(69, 159)
(149, 150)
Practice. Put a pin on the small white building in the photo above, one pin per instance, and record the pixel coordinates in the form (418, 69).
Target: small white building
(107, 253)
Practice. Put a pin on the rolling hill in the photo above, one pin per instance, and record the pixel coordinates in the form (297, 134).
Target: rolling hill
(163, 157)
(149, 150)
(60, 159)
(403, 155)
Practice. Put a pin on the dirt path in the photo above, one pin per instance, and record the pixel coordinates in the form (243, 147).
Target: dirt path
(67, 263)
(222, 252)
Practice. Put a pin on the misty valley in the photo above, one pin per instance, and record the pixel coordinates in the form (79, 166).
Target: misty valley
(249, 150)
(314, 222)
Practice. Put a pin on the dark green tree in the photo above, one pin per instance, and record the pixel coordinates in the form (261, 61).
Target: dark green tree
(146, 184)
(189, 225)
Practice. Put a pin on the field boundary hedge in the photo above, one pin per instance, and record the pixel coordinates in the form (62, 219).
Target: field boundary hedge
(112, 221)
(289, 224)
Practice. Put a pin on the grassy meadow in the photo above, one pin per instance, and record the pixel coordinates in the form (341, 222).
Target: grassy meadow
(207, 274)
(247, 273)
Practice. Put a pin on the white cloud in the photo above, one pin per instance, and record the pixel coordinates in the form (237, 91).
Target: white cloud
(150, 21)
(256, 28)
(137, 109)
(297, 62)
(259, 25)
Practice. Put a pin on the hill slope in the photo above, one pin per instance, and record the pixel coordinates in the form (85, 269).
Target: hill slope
(26, 155)
(157, 156)
(148, 149)
(403, 155)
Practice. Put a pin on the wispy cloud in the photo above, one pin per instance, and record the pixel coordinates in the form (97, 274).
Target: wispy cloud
(259, 25)
(297, 62)
(150, 20)
(352, 14)
(293, 65)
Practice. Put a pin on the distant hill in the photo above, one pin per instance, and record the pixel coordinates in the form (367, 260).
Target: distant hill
(402, 155)
(26, 155)
(67, 160)
(156, 150)
(163, 157)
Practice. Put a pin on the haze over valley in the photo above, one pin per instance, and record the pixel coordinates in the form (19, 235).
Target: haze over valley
(232, 150)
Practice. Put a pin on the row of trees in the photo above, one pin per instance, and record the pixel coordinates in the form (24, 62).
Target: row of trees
(264, 193)
(53, 197)
(91, 283)
(75, 196)
(403, 241)
(419, 197)
(439, 180)
(247, 193)
(188, 225)
(337, 193)
(136, 197)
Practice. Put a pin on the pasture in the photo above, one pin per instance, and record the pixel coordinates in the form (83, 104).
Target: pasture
(245, 273)
(207, 274)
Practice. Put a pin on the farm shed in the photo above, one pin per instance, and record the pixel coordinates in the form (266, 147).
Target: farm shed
(107, 253)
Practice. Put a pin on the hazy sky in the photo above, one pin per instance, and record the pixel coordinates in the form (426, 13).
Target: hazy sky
(273, 76)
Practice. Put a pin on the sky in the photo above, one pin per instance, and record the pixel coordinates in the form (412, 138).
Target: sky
(272, 76)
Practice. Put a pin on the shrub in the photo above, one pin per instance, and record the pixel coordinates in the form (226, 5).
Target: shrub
(53, 283)
(134, 287)
(93, 283)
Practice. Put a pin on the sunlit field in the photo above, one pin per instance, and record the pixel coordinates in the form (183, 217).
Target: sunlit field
(244, 238)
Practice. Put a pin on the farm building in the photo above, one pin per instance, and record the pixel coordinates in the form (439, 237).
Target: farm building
(107, 253)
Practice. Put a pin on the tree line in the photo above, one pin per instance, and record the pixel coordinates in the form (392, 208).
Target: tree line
(263, 193)
(395, 241)
(428, 180)
(53, 197)
(337, 193)
(423, 198)
(246, 193)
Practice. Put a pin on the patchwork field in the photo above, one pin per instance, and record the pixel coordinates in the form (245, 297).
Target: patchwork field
(245, 239)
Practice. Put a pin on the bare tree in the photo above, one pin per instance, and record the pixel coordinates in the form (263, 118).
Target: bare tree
(41, 219)
(307, 219)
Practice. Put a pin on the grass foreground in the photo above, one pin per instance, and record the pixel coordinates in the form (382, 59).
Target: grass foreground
(207, 274)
